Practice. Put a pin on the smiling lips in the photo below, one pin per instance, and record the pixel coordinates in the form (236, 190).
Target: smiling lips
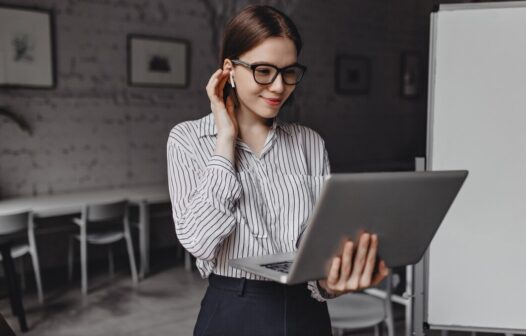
(272, 101)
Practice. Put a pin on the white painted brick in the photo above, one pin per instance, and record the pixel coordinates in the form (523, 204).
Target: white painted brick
(94, 130)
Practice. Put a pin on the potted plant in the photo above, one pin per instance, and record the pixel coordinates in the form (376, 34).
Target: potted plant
(5, 111)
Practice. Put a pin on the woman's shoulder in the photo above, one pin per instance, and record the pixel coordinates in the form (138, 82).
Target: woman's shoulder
(301, 132)
(189, 129)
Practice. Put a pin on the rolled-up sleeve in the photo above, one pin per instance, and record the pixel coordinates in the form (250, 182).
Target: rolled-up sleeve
(203, 200)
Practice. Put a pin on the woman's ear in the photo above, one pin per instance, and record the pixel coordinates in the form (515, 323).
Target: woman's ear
(227, 64)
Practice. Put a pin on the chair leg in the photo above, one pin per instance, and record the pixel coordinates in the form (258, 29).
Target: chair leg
(9, 280)
(84, 265)
(131, 254)
(179, 252)
(111, 264)
(22, 274)
(389, 323)
(337, 331)
(38, 279)
(376, 330)
(71, 252)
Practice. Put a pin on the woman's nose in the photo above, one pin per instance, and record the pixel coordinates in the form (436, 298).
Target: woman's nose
(277, 85)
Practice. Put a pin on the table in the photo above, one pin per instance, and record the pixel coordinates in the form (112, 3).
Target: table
(72, 202)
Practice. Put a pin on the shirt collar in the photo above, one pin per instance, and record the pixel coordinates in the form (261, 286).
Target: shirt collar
(208, 127)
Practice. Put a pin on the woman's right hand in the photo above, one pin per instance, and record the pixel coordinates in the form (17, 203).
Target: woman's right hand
(224, 116)
(353, 270)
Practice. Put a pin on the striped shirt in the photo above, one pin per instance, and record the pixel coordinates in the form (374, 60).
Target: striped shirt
(257, 206)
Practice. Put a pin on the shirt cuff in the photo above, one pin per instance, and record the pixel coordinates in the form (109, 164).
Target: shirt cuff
(316, 291)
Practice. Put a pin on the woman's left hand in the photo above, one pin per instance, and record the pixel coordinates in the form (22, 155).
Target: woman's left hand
(348, 274)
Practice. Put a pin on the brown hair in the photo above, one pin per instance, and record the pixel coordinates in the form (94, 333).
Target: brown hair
(251, 26)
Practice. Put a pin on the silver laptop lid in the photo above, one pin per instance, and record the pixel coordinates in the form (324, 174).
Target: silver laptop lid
(405, 209)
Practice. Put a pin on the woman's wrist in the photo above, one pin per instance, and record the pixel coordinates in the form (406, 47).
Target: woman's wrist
(225, 146)
(225, 140)
(325, 293)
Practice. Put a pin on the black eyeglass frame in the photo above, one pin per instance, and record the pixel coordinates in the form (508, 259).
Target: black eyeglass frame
(253, 67)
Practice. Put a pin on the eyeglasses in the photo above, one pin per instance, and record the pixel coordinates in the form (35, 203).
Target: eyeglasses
(265, 74)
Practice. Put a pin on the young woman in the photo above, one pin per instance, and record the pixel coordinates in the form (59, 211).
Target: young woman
(243, 183)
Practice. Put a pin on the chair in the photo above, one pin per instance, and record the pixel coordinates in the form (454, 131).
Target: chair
(15, 224)
(101, 217)
(359, 310)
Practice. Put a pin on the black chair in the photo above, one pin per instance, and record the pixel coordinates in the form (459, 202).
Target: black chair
(13, 289)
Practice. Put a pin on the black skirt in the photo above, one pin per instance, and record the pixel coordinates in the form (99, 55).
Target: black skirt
(234, 306)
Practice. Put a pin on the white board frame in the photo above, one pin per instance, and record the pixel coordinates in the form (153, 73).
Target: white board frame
(423, 274)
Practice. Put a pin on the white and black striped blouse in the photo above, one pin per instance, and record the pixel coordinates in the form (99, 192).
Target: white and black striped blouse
(259, 206)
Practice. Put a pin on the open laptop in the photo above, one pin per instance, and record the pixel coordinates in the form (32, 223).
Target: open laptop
(405, 209)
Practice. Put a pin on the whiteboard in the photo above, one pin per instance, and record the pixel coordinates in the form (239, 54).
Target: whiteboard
(477, 121)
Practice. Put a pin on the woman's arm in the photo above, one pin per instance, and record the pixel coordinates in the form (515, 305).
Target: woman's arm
(203, 200)
(224, 115)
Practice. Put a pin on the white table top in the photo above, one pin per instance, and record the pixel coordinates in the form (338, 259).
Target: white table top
(72, 202)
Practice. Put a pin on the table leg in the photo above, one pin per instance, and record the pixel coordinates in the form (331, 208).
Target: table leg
(15, 295)
(144, 238)
(187, 261)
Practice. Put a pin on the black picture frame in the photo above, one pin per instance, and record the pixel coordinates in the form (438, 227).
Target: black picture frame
(411, 75)
(157, 61)
(353, 74)
(27, 48)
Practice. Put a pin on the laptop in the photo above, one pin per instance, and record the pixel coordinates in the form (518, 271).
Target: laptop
(404, 209)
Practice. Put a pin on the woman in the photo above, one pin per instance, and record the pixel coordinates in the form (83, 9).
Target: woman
(243, 183)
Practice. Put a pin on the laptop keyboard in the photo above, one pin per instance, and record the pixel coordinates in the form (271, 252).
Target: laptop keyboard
(282, 266)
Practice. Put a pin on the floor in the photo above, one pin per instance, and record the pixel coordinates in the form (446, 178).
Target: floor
(165, 303)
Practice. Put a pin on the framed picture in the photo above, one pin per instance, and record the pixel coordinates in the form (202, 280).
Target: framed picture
(353, 74)
(26, 48)
(411, 80)
(158, 61)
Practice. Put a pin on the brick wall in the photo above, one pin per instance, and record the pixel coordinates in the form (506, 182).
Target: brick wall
(94, 130)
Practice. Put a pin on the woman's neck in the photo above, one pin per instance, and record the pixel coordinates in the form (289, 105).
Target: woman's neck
(252, 126)
(253, 129)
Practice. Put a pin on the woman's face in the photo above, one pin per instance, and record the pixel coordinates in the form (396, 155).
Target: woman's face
(264, 101)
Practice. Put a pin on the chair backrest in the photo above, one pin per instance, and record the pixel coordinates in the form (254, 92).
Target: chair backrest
(12, 223)
(106, 211)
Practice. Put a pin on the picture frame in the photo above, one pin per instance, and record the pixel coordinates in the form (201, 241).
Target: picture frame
(155, 61)
(411, 75)
(27, 48)
(353, 74)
